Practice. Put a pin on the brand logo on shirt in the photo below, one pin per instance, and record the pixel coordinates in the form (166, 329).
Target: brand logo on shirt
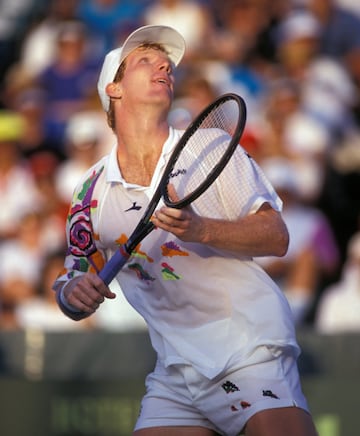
(134, 207)
(269, 393)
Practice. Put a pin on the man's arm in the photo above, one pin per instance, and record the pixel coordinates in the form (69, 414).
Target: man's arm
(262, 233)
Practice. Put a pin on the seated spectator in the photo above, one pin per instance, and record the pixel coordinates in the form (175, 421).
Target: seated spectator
(14, 16)
(231, 59)
(350, 5)
(38, 48)
(336, 37)
(108, 20)
(18, 194)
(329, 95)
(312, 255)
(339, 306)
(194, 94)
(22, 259)
(40, 310)
(340, 33)
(84, 142)
(30, 104)
(281, 101)
(188, 17)
(308, 142)
(297, 45)
(52, 208)
(66, 82)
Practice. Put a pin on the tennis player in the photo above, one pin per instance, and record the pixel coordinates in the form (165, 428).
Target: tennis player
(222, 330)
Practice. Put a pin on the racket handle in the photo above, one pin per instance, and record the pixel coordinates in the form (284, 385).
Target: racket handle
(114, 265)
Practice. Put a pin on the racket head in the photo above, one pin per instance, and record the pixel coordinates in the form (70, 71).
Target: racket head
(204, 150)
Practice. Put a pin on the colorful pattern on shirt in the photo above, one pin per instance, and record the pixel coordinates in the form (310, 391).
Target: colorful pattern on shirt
(170, 249)
(168, 272)
(82, 245)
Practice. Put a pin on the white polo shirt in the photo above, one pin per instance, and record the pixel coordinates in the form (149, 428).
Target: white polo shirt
(204, 306)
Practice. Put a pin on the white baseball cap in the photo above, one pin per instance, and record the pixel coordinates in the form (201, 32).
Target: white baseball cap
(84, 128)
(297, 25)
(168, 37)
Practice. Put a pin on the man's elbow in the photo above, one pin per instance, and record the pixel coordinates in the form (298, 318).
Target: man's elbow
(282, 244)
(278, 234)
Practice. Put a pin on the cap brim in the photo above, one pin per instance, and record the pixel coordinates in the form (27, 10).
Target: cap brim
(167, 36)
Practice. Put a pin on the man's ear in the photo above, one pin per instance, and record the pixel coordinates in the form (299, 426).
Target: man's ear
(113, 90)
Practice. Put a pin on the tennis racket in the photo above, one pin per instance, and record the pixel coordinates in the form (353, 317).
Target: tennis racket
(197, 160)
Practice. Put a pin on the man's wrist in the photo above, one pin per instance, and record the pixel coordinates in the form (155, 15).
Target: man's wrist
(65, 303)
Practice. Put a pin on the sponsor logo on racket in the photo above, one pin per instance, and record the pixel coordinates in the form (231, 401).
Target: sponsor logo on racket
(179, 172)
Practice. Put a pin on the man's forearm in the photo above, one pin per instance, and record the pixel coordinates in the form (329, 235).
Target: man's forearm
(261, 234)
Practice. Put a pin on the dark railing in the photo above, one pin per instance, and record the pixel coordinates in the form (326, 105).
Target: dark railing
(91, 383)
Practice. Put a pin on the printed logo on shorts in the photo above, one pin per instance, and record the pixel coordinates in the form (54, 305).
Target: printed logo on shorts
(228, 387)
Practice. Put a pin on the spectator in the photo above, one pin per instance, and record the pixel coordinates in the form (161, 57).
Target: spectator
(238, 59)
(38, 47)
(15, 176)
(350, 5)
(40, 310)
(242, 25)
(188, 17)
(281, 100)
(66, 82)
(108, 20)
(313, 255)
(308, 142)
(340, 32)
(21, 263)
(297, 43)
(194, 94)
(52, 208)
(339, 307)
(85, 135)
(339, 37)
(329, 95)
(30, 104)
(340, 199)
(14, 17)
(286, 129)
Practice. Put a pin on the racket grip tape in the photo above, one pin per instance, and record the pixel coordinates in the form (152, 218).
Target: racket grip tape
(114, 265)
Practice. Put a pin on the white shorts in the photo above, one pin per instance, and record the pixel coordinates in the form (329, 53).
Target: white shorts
(180, 396)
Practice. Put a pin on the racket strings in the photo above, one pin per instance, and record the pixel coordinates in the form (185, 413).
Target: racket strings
(204, 150)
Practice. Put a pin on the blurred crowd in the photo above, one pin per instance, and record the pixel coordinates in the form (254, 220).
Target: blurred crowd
(295, 62)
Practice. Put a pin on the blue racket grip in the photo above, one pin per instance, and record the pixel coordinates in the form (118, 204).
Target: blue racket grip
(114, 265)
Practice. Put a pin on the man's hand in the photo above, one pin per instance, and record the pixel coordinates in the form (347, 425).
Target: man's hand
(183, 223)
(86, 293)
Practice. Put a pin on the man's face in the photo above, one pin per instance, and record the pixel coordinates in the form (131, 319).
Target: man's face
(148, 77)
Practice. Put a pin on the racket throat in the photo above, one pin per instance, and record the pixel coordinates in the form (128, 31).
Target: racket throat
(139, 234)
